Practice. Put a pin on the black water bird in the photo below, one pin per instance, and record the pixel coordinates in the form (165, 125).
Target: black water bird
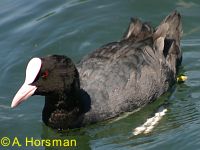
(116, 78)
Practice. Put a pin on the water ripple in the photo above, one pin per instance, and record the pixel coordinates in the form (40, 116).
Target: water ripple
(191, 42)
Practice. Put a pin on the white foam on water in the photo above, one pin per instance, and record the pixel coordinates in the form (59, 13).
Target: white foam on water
(150, 124)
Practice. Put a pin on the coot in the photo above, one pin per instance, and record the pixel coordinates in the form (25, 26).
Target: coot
(116, 78)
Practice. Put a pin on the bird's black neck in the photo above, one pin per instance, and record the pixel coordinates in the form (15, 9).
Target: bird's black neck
(62, 111)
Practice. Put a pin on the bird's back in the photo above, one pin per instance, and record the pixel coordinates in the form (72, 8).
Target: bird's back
(125, 75)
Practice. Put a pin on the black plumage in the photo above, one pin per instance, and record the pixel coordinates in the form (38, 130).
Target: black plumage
(116, 78)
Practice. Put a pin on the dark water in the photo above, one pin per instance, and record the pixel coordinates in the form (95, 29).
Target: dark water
(76, 27)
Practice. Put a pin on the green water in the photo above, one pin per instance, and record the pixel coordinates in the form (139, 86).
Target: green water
(74, 28)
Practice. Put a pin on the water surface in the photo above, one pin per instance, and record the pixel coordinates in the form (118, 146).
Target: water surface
(75, 28)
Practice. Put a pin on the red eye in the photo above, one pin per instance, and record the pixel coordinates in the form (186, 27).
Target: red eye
(45, 74)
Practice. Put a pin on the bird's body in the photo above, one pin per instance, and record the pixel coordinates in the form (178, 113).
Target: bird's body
(116, 78)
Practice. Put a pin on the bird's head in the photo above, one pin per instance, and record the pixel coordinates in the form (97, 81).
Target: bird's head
(48, 75)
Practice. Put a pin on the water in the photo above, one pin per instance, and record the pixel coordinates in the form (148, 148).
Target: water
(75, 28)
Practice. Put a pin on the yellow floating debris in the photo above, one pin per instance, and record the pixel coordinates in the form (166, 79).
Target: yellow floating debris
(182, 78)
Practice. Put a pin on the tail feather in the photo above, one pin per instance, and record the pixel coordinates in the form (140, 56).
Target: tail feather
(138, 30)
(170, 28)
(167, 39)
